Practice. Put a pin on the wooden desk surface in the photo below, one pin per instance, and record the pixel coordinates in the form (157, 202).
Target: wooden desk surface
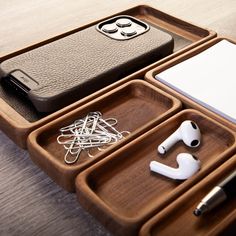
(30, 203)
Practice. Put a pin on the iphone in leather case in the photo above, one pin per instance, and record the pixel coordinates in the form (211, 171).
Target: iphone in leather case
(61, 72)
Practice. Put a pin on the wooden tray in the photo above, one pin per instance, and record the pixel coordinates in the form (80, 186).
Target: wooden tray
(136, 105)
(178, 217)
(188, 103)
(122, 193)
(18, 119)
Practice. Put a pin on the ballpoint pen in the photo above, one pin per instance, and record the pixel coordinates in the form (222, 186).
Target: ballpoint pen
(224, 190)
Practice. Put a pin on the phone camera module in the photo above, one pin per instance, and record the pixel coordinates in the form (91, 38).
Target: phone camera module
(122, 27)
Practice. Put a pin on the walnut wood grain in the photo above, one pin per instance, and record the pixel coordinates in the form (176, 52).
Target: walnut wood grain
(137, 106)
(122, 193)
(178, 217)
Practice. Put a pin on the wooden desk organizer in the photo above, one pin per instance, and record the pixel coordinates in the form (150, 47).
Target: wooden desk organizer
(137, 106)
(122, 192)
(178, 216)
(18, 123)
(150, 77)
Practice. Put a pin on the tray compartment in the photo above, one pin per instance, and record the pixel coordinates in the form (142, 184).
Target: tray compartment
(136, 105)
(187, 102)
(122, 192)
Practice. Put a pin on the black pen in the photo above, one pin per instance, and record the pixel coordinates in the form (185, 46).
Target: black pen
(224, 190)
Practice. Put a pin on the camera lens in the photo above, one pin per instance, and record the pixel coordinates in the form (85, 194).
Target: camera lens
(128, 32)
(123, 22)
(109, 28)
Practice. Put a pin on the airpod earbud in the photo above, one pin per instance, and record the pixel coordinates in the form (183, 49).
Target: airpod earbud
(188, 166)
(188, 132)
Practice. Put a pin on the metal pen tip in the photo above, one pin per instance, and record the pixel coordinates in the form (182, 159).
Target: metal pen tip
(197, 212)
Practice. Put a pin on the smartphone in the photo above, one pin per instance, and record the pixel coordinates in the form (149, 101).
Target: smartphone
(63, 71)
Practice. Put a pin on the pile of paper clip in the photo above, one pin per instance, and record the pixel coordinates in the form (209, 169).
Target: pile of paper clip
(88, 133)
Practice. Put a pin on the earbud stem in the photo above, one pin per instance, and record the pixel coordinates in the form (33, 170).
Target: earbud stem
(164, 170)
(169, 142)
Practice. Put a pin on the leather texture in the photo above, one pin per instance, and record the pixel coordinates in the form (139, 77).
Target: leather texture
(77, 65)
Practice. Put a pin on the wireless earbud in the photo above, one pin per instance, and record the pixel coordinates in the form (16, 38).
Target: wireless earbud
(188, 132)
(188, 166)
